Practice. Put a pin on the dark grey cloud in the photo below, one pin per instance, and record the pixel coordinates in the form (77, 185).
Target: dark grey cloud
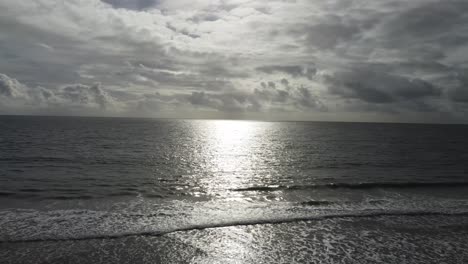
(272, 94)
(182, 31)
(328, 36)
(435, 21)
(84, 95)
(132, 4)
(427, 31)
(204, 16)
(293, 70)
(458, 92)
(379, 87)
(307, 100)
(227, 102)
(299, 96)
(25, 49)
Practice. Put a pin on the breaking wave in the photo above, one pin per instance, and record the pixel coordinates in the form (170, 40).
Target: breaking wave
(241, 222)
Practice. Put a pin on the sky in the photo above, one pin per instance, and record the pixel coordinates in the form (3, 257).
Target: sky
(328, 60)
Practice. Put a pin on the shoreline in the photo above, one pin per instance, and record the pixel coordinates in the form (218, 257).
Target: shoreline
(386, 239)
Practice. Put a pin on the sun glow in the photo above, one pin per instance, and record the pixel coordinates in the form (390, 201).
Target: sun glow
(233, 136)
(231, 153)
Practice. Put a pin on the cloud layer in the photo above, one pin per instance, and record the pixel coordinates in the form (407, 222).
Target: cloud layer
(283, 59)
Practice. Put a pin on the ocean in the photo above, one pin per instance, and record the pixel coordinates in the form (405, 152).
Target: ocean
(123, 190)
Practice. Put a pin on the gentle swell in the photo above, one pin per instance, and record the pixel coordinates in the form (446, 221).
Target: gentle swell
(245, 223)
(396, 185)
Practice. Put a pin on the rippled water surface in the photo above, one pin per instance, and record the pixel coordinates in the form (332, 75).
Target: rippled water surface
(99, 179)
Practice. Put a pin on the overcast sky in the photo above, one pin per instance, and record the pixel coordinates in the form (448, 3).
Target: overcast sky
(351, 60)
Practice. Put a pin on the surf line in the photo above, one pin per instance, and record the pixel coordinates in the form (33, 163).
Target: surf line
(241, 223)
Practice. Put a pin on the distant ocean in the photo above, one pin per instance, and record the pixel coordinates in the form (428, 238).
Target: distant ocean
(118, 190)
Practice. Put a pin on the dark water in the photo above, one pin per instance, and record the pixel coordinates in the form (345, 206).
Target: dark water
(323, 189)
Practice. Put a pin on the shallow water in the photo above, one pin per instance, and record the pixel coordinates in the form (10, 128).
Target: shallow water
(384, 239)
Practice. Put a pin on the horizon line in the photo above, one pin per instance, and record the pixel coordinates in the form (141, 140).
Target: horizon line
(232, 119)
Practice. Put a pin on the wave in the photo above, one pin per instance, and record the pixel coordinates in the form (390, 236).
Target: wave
(366, 185)
(33, 190)
(318, 203)
(362, 214)
(18, 159)
(6, 194)
(36, 195)
(69, 197)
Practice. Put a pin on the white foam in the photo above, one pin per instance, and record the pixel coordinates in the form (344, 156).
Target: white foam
(142, 217)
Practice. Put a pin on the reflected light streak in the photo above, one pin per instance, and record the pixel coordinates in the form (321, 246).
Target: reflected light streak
(231, 152)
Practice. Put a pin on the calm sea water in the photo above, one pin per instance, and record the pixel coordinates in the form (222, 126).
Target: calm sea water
(84, 179)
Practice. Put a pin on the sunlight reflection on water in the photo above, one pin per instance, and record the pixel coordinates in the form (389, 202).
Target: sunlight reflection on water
(231, 153)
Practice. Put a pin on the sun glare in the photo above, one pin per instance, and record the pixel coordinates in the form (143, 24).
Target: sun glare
(231, 152)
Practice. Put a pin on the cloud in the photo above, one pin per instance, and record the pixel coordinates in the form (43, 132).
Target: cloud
(378, 87)
(77, 98)
(87, 96)
(307, 100)
(132, 4)
(288, 98)
(11, 88)
(327, 35)
(435, 21)
(94, 99)
(159, 57)
(458, 91)
(226, 102)
(293, 70)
